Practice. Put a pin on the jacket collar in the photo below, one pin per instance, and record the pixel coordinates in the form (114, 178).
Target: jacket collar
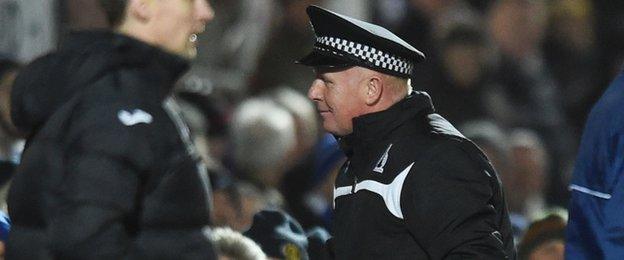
(378, 125)
(165, 68)
(77, 40)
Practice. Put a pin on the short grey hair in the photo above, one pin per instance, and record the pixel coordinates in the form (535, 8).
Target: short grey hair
(234, 245)
(262, 133)
(302, 108)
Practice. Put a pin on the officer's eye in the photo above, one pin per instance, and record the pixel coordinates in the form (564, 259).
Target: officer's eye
(326, 80)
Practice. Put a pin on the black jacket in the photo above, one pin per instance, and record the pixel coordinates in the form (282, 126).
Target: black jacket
(415, 188)
(109, 171)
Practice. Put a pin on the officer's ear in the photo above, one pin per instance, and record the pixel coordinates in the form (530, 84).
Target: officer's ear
(374, 89)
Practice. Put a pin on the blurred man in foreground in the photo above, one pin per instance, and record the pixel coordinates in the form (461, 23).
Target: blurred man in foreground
(109, 171)
(413, 187)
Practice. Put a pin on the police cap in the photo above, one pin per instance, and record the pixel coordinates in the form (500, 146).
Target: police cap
(342, 41)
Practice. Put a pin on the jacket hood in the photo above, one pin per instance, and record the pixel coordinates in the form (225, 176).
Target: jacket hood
(49, 82)
(42, 87)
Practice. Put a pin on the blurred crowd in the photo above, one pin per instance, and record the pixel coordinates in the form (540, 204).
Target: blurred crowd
(516, 76)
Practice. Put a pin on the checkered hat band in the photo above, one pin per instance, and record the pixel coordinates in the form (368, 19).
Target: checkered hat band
(369, 54)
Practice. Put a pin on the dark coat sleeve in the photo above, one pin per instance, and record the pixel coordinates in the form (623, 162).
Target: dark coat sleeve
(446, 202)
(98, 193)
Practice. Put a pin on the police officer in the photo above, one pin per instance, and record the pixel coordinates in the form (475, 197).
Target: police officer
(413, 187)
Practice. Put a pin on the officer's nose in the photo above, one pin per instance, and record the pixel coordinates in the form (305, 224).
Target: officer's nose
(315, 91)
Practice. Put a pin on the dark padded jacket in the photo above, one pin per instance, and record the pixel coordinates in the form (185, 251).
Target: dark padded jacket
(109, 171)
(415, 188)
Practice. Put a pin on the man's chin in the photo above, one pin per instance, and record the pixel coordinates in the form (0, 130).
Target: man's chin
(333, 130)
(191, 53)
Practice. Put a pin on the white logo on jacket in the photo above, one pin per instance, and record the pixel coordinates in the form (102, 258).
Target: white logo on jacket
(390, 193)
(379, 166)
(136, 117)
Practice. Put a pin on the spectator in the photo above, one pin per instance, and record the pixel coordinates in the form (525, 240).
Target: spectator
(462, 82)
(235, 203)
(306, 123)
(262, 139)
(529, 161)
(544, 240)
(301, 159)
(262, 136)
(279, 235)
(517, 28)
(422, 23)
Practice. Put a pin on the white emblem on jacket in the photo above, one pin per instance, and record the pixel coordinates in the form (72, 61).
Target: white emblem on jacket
(379, 166)
(391, 193)
(136, 117)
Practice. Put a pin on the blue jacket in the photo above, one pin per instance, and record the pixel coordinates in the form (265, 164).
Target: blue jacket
(596, 226)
